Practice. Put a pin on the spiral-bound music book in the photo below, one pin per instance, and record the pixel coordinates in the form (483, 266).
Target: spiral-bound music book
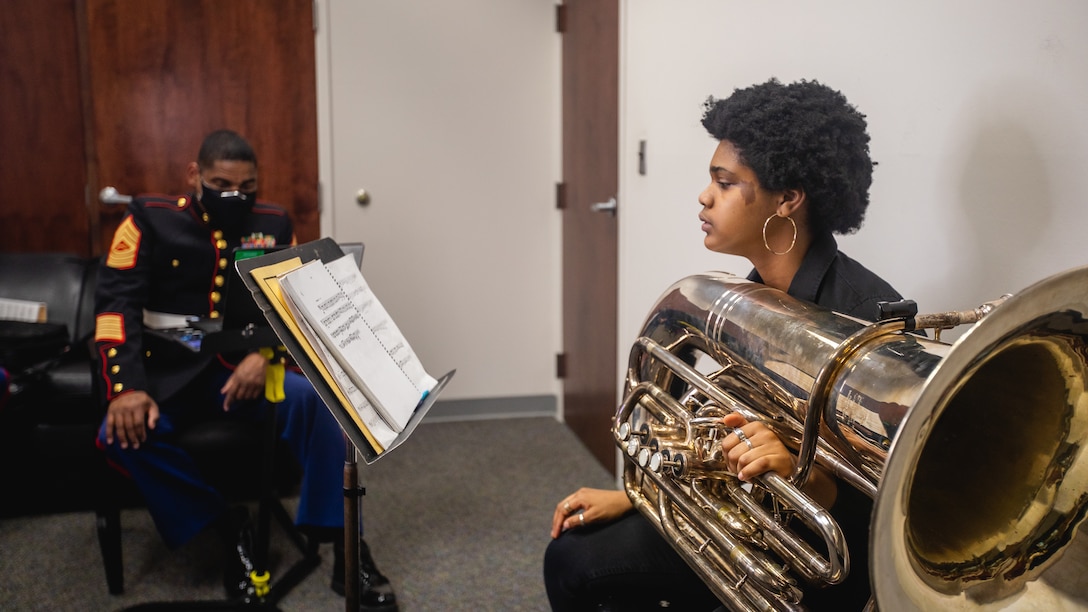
(344, 341)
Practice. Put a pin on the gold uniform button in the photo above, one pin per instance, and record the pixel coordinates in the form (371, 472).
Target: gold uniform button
(205, 217)
(219, 280)
(111, 353)
(117, 387)
(147, 353)
(217, 234)
(222, 263)
(175, 263)
(214, 295)
(214, 314)
(181, 202)
(115, 369)
(222, 244)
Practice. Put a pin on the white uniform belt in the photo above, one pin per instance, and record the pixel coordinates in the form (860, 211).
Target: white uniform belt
(167, 320)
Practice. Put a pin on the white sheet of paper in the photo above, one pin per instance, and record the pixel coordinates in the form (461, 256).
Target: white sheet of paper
(370, 348)
(354, 285)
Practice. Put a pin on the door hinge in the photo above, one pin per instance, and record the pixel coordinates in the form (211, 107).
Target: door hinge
(314, 14)
(561, 365)
(561, 18)
(561, 196)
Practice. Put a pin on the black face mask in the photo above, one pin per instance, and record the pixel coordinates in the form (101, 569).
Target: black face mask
(227, 209)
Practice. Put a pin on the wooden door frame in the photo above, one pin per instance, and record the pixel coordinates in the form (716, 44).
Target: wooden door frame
(590, 144)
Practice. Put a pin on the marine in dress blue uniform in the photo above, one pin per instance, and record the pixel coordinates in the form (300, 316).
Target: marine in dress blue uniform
(170, 256)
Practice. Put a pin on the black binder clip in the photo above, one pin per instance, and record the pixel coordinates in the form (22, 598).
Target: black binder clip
(903, 309)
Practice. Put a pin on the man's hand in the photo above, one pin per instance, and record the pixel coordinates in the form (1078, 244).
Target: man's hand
(247, 381)
(128, 418)
(586, 506)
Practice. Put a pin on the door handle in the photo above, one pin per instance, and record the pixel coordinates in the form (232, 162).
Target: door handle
(109, 195)
(606, 207)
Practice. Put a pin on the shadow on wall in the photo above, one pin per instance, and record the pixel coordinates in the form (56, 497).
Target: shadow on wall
(1002, 193)
(1006, 199)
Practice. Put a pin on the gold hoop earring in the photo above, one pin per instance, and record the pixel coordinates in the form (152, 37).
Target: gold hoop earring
(793, 240)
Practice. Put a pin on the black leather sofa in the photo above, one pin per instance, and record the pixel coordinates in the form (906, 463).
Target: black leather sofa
(48, 461)
(49, 420)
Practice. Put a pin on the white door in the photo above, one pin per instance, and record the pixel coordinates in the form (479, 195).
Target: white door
(447, 115)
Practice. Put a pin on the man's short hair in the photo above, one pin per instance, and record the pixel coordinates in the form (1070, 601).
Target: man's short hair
(224, 145)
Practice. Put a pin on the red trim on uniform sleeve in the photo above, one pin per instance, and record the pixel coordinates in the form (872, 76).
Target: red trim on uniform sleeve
(166, 205)
(226, 364)
(102, 359)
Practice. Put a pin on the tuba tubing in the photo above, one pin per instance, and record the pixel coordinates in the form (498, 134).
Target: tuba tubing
(969, 513)
(832, 568)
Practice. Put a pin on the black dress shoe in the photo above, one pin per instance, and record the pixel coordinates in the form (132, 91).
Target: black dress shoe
(375, 591)
(238, 562)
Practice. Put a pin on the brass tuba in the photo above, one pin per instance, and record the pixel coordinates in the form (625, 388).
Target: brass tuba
(973, 451)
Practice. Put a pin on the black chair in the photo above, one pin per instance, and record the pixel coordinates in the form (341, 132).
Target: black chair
(245, 462)
(49, 461)
(227, 453)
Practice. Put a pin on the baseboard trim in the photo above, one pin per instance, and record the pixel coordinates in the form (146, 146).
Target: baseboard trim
(492, 408)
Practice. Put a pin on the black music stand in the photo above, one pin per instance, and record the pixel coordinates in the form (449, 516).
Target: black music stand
(356, 442)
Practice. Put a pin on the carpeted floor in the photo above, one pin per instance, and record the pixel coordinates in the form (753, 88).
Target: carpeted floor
(457, 518)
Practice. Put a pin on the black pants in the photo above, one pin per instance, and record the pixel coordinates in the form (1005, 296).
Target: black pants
(627, 566)
(620, 566)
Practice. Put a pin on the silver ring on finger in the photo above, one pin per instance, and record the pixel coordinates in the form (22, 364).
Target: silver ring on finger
(582, 518)
(743, 438)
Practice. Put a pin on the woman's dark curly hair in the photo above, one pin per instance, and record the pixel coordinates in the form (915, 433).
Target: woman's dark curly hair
(801, 135)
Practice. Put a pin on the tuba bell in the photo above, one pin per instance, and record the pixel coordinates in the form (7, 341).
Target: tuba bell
(974, 452)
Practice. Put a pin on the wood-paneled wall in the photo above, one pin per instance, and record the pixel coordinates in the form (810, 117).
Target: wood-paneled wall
(42, 159)
(121, 93)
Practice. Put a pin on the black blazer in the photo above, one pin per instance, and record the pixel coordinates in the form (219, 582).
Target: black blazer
(167, 257)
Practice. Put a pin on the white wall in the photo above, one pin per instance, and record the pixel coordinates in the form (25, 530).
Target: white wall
(976, 110)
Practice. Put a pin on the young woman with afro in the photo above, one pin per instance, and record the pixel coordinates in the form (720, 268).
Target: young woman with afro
(791, 169)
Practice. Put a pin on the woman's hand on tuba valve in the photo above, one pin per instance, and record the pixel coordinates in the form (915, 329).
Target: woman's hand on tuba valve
(758, 451)
(586, 506)
(755, 450)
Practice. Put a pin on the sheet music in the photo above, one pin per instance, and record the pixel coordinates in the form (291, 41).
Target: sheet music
(267, 279)
(377, 426)
(354, 286)
(361, 336)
